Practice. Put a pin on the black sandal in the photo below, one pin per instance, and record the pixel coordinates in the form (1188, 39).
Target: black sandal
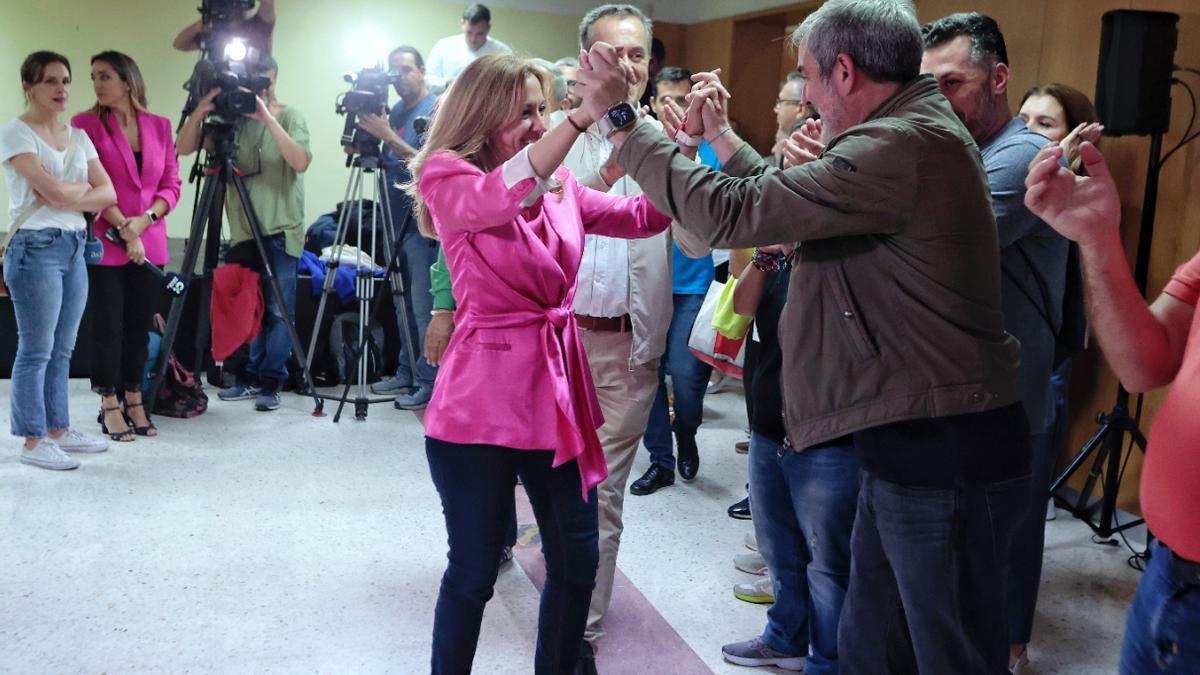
(125, 436)
(140, 431)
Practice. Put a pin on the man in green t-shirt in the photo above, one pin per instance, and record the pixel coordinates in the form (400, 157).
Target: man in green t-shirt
(273, 152)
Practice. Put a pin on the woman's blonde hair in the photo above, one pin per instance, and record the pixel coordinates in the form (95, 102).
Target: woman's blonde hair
(126, 69)
(485, 97)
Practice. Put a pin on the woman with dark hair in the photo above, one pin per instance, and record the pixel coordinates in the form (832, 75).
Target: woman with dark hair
(53, 176)
(138, 152)
(1063, 114)
(514, 394)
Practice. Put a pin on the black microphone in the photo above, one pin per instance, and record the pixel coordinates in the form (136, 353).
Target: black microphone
(172, 282)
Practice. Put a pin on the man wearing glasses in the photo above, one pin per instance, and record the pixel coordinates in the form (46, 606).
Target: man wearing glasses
(789, 107)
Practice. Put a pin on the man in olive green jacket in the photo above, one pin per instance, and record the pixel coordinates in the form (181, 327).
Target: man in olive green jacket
(893, 328)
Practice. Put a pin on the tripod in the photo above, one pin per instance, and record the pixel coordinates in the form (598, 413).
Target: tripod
(1108, 442)
(364, 162)
(220, 172)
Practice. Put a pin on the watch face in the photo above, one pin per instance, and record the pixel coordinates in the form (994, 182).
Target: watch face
(622, 115)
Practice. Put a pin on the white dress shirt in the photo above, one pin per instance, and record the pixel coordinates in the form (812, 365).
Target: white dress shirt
(451, 54)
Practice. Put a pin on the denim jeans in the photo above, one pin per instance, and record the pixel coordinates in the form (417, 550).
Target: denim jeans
(1161, 633)
(419, 253)
(48, 282)
(689, 380)
(927, 578)
(804, 505)
(271, 349)
(475, 483)
(1029, 541)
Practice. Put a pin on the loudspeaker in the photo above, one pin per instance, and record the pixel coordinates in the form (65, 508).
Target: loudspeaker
(1137, 54)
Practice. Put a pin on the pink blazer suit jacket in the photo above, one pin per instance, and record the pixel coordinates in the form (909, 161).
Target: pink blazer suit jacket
(136, 190)
(515, 373)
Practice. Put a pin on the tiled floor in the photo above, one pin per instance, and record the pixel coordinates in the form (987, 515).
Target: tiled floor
(280, 542)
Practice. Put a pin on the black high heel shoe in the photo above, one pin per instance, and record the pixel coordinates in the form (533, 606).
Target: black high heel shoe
(124, 436)
(140, 431)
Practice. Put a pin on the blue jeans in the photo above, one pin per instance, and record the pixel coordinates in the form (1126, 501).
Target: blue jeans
(475, 483)
(419, 253)
(1029, 541)
(689, 380)
(1164, 619)
(48, 282)
(927, 578)
(804, 505)
(271, 349)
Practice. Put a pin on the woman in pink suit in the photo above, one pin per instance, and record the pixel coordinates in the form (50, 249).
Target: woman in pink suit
(514, 394)
(137, 150)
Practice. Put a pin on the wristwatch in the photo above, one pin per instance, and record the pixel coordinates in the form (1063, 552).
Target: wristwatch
(620, 116)
(152, 216)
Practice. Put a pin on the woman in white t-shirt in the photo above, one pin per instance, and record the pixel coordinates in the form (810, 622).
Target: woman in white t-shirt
(50, 186)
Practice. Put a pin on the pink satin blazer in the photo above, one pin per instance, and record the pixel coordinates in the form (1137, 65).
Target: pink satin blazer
(136, 190)
(515, 373)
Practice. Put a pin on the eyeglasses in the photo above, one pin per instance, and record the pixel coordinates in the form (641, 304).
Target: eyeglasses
(794, 101)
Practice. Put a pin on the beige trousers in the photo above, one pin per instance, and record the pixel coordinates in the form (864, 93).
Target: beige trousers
(625, 398)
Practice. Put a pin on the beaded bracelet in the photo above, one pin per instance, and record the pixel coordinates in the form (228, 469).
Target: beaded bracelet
(768, 262)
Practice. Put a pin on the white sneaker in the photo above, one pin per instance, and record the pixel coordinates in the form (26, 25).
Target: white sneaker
(751, 541)
(750, 563)
(47, 455)
(73, 441)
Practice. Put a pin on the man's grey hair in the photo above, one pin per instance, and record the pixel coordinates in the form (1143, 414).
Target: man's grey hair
(585, 26)
(883, 37)
(567, 62)
(558, 81)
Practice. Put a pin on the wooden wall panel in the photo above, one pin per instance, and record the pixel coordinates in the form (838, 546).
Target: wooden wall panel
(709, 45)
(674, 39)
(754, 79)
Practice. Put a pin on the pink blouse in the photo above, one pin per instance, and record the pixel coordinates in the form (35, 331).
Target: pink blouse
(515, 373)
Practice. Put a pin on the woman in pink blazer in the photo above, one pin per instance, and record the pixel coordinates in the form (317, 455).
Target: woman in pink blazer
(137, 150)
(514, 394)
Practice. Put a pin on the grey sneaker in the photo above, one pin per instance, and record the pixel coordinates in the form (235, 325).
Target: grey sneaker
(750, 563)
(239, 392)
(394, 385)
(760, 592)
(756, 653)
(751, 541)
(416, 399)
(47, 455)
(73, 441)
(266, 401)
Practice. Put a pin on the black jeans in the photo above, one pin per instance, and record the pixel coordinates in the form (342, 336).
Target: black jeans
(475, 483)
(927, 578)
(121, 302)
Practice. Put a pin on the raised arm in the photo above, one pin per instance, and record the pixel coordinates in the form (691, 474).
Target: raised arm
(1143, 344)
(188, 39)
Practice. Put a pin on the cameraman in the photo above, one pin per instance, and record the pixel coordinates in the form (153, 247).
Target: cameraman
(256, 29)
(273, 152)
(403, 140)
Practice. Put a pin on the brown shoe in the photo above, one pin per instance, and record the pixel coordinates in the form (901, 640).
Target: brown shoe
(742, 447)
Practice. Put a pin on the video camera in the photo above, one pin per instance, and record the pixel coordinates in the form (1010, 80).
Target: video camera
(233, 70)
(368, 95)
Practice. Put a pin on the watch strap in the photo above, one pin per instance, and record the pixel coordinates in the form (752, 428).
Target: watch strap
(683, 138)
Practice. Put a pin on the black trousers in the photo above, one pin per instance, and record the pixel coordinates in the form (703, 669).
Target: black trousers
(121, 302)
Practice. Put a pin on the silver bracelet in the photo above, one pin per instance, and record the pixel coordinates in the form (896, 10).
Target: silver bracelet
(723, 132)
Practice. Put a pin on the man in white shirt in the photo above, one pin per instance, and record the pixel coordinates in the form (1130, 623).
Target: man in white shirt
(451, 54)
(623, 306)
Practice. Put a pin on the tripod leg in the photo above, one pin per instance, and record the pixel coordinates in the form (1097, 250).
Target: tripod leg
(273, 281)
(212, 192)
(353, 189)
(395, 244)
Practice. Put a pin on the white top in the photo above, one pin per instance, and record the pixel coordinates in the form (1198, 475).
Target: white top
(17, 138)
(603, 288)
(451, 54)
